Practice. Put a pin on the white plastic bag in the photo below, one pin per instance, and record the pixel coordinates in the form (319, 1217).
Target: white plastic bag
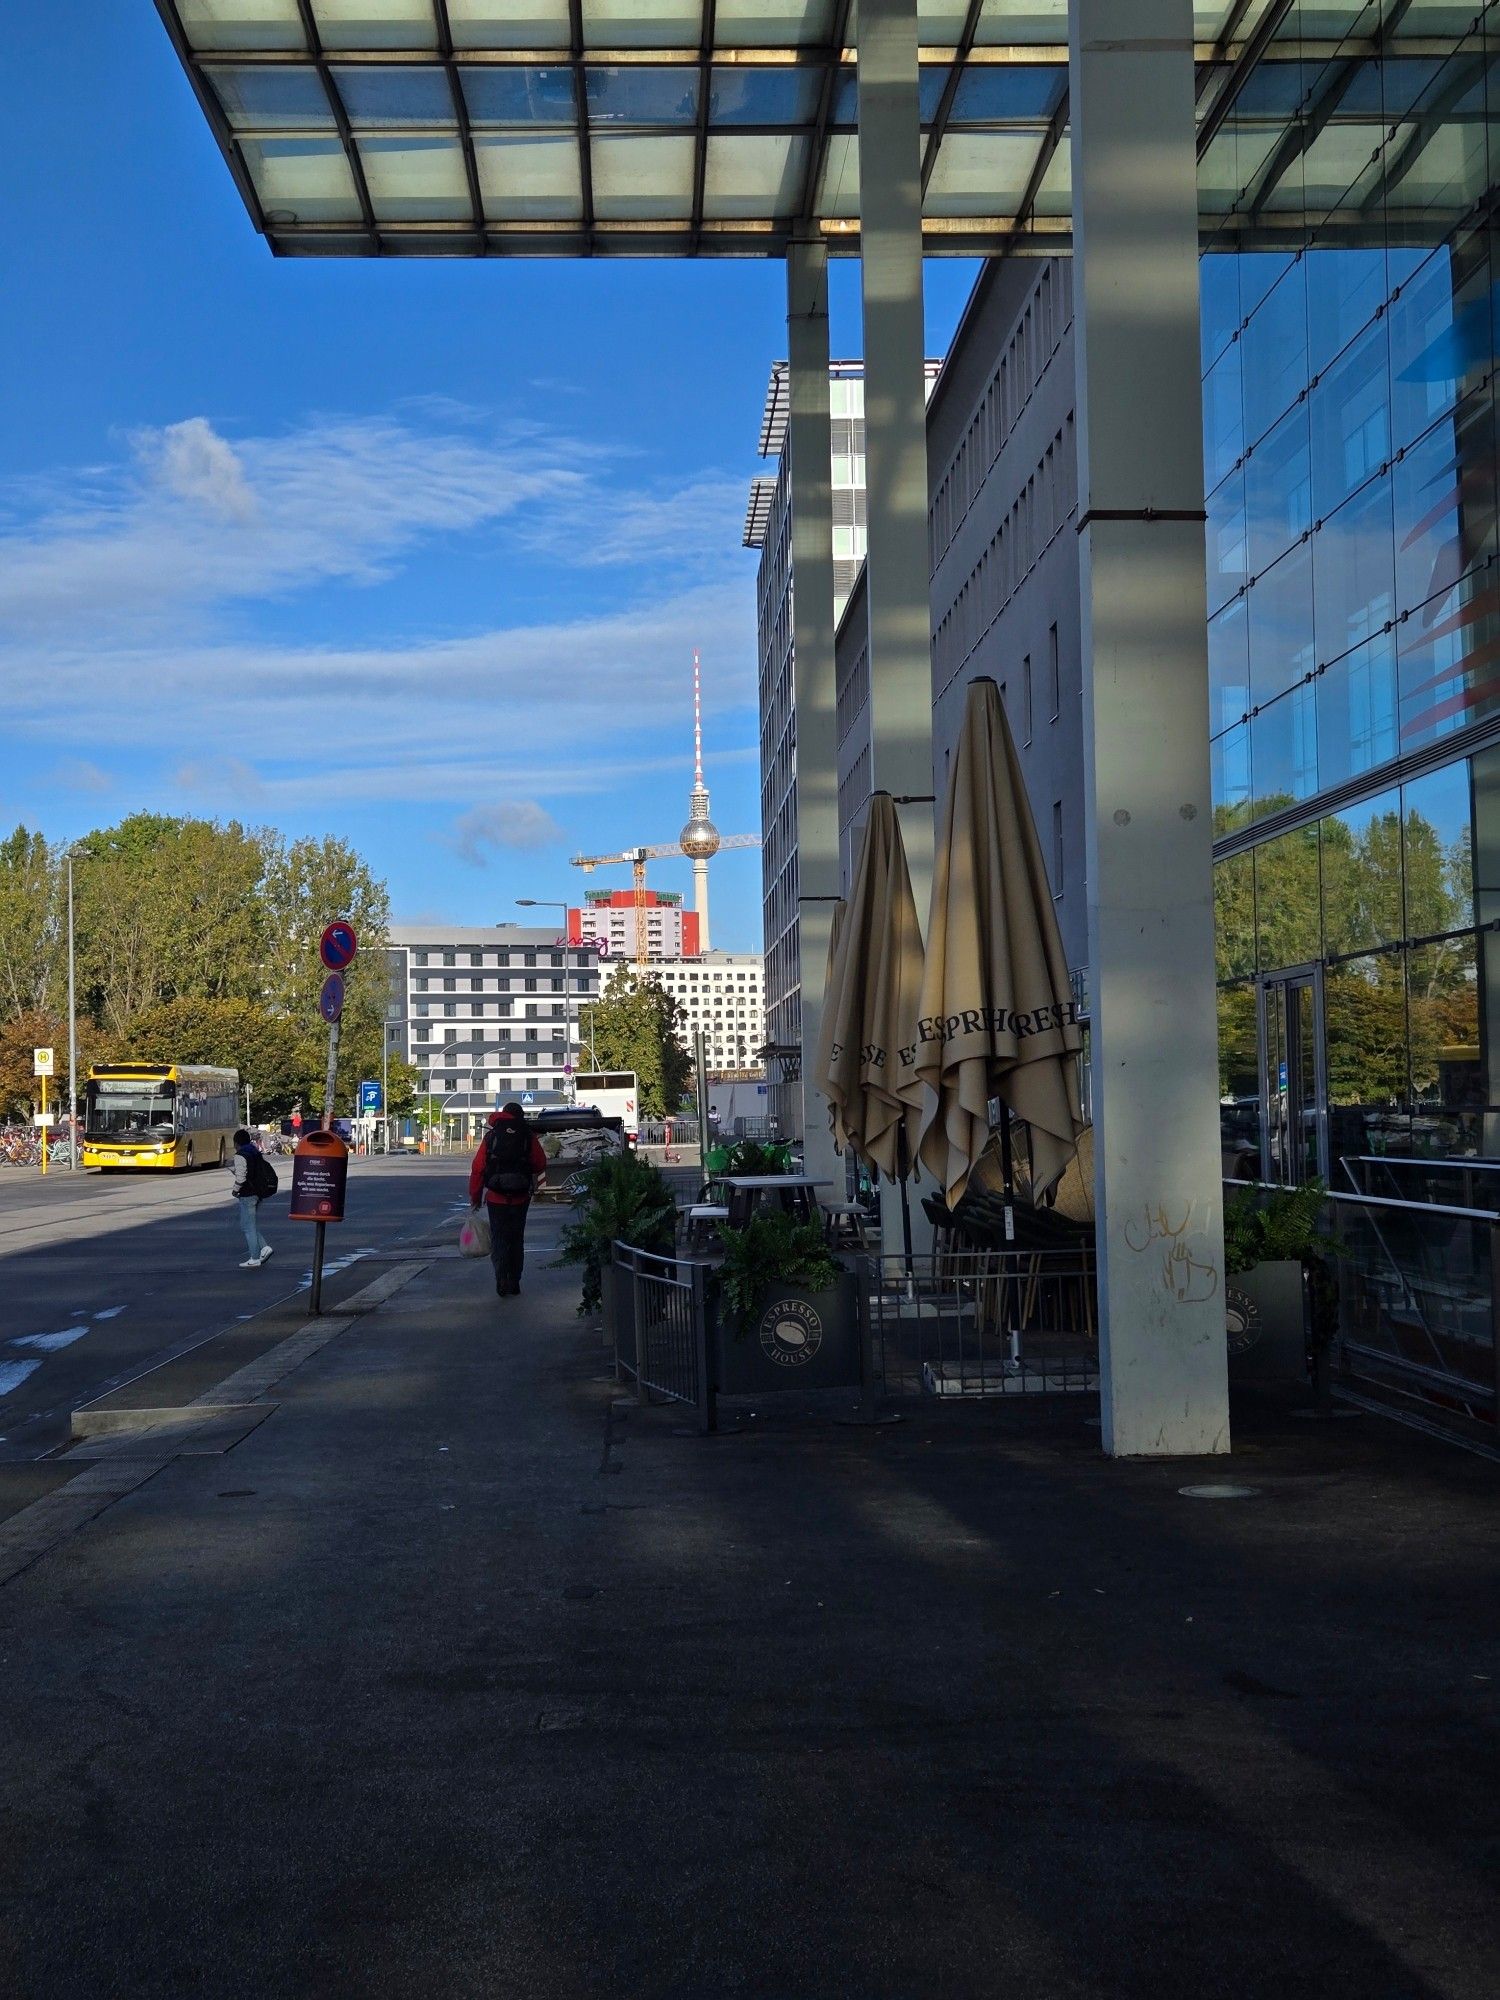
(474, 1233)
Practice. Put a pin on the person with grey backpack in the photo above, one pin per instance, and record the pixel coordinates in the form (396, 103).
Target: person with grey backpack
(254, 1181)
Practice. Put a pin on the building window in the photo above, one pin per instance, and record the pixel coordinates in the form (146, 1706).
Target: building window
(419, 958)
(450, 1008)
(450, 958)
(476, 985)
(420, 985)
(1054, 674)
(450, 985)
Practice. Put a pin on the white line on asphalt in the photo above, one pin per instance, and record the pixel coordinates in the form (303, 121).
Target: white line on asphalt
(14, 1373)
(50, 1342)
(110, 1312)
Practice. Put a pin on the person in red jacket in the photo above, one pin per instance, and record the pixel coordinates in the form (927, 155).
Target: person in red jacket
(507, 1170)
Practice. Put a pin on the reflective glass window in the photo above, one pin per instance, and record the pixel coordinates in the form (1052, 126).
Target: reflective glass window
(1441, 338)
(1228, 665)
(1344, 289)
(1234, 915)
(1284, 752)
(1229, 757)
(1275, 343)
(1361, 849)
(1259, 273)
(1226, 540)
(1357, 711)
(1432, 549)
(1353, 571)
(1447, 1076)
(1447, 659)
(1438, 852)
(1287, 916)
(1223, 418)
(1281, 625)
(1239, 1083)
(1278, 490)
(1364, 1024)
(1219, 300)
(1350, 422)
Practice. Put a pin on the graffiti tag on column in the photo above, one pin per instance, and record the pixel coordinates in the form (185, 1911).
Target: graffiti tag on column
(1186, 1279)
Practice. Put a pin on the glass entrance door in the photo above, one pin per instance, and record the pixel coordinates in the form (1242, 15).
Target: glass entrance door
(1294, 1087)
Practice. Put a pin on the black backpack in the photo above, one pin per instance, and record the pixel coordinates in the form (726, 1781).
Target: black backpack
(507, 1161)
(260, 1176)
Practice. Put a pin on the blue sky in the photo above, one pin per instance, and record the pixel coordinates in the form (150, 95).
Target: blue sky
(412, 552)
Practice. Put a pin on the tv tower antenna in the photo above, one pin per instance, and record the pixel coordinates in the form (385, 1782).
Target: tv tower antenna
(700, 837)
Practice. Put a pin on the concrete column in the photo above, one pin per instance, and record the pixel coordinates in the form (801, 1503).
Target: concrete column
(813, 670)
(1149, 826)
(897, 571)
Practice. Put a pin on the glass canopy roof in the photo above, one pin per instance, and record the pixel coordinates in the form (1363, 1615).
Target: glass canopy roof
(723, 127)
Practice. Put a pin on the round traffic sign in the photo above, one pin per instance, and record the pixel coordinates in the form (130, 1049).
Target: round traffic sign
(338, 946)
(331, 999)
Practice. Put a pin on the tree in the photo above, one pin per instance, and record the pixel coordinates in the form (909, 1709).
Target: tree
(638, 1025)
(20, 1091)
(308, 885)
(269, 1051)
(31, 943)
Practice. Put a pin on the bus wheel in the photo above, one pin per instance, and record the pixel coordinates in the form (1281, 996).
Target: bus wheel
(190, 1153)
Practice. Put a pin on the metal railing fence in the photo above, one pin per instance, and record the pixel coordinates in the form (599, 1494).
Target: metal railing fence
(1003, 1323)
(666, 1354)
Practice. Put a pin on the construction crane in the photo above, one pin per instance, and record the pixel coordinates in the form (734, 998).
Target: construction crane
(635, 858)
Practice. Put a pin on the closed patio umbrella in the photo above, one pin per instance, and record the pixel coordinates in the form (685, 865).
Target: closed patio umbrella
(996, 1016)
(872, 1003)
(824, 1056)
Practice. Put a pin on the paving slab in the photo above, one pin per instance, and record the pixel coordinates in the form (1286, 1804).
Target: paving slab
(463, 1675)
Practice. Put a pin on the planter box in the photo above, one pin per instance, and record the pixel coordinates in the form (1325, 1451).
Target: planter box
(617, 1291)
(798, 1340)
(1266, 1324)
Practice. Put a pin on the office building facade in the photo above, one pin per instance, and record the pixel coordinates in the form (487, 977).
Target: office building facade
(487, 1014)
(722, 993)
(610, 917)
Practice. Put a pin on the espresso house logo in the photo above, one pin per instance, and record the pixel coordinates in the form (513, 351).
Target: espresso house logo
(991, 1021)
(791, 1332)
(1242, 1327)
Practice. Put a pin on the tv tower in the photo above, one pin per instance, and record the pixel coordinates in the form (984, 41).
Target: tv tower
(700, 837)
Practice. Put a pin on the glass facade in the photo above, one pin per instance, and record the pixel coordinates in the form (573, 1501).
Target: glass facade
(1350, 446)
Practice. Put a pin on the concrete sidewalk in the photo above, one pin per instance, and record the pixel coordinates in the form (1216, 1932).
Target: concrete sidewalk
(454, 1678)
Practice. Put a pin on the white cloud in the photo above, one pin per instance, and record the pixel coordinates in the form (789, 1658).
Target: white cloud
(509, 823)
(194, 462)
(79, 774)
(167, 585)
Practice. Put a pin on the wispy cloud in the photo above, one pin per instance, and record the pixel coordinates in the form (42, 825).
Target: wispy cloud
(80, 774)
(509, 824)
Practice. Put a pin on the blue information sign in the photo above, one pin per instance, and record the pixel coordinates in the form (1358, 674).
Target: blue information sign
(369, 1097)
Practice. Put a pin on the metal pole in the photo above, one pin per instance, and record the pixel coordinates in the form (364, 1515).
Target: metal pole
(332, 1072)
(315, 1297)
(385, 1084)
(73, 1147)
(700, 1064)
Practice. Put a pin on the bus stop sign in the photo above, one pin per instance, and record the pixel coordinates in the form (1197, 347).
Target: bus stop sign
(338, 945)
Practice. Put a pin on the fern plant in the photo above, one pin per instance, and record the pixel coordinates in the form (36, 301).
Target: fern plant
(1271, 1228)
(773, 1249)
(623, 1199)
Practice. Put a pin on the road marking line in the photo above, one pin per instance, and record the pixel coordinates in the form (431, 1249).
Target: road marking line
(50, 1342)
(110, 1312)
(14, 1373)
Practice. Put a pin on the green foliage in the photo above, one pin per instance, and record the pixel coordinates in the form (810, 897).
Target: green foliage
(624, 1199)
(1262, 1228)
(638, 1025)
(268, 1050)
(748, 1156)
(33, 971)
(773, 1249)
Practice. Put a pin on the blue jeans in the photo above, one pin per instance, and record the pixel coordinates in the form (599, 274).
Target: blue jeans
(249, 1208)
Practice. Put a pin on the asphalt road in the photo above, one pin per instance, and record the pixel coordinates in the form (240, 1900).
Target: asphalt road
(101, 1276)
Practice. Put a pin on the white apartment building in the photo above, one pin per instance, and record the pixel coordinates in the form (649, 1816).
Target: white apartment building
(723, 995)
(487, 1014)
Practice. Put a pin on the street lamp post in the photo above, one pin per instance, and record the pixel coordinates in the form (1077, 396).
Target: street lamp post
(73, 1147)
(540, 903)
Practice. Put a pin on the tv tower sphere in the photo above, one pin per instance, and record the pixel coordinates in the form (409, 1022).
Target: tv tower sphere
(700, 839)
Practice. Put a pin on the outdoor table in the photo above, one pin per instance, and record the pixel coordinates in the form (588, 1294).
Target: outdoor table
(847, 1225)
(702, 1219)
(793, 1193)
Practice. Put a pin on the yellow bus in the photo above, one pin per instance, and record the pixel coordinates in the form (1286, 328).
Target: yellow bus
(159, 1115)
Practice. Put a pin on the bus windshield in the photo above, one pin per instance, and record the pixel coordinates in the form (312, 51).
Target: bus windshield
(129, 1104)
